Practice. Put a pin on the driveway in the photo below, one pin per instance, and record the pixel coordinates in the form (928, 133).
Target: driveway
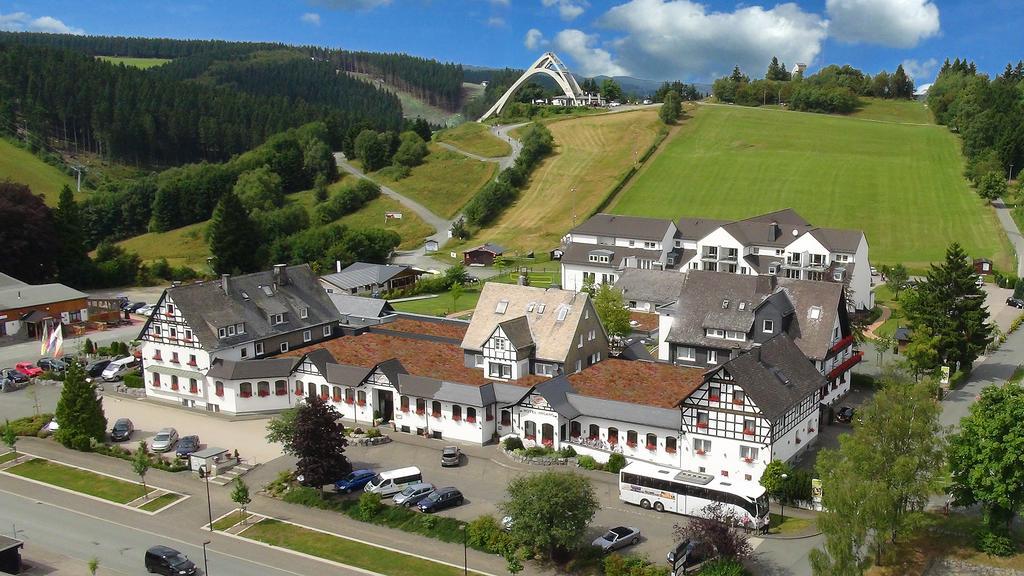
(999, 312)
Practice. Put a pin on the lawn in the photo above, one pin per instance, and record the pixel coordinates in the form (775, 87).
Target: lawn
(338, 549)
(24, 167)
(884, 297)
(159, 502)
(901, 184)
(444, 182)
(442, 305)
(136, 62)
(791, 525)
(475, 138)
(78, 480)
(8, 457)
(181, 246)
(591, 155)
(894, 111)
(410, 227)
(230, 520)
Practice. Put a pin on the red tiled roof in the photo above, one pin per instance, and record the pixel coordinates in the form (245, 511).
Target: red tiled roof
(419, 357)
(455, 331)
(645, 321)
(649, 383)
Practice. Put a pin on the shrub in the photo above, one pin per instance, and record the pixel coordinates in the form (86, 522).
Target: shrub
(48, 375)
(587, 462)
(81, 442)
(567, 452)
(513, 443)
(280, 485)
(133, 381)
(484, 533)
(723, 567)
(616, 462)
(374, 433)
(359, 432)
(428, 522)
(29, 425)
(537, 452)
(632, 565)
(369, 506)
(346, 201)
(307, 496)
(995, 544)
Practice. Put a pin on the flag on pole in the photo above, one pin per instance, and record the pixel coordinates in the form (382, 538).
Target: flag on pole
(56, 341)
(46, 340)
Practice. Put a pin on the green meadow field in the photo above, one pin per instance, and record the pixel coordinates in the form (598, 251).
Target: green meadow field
(136, 62)
(19, 165)
(900, 183)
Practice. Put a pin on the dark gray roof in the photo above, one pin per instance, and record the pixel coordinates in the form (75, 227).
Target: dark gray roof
(488, 247)
(578, 253)
(625, 411)
(776, 375)
(903, 334)
(636, 351)
(321, 358)
(361, 274)
(657, 286)
(345, 375)
(465, 394)
(391, 369)
(813, 334)
(419, 386)
(517, 330)
(838, 239)
(555, 391)
(618, 226)
(360, 307)
(260, 369)
(761, 263)
(507, 393)
(28, 295)
(7, 280)
(697, 228)
(206, 307)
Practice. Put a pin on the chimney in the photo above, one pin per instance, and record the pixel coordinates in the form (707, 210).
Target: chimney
(280, 274)
(224, 283)
(337, 266)
(776, 231)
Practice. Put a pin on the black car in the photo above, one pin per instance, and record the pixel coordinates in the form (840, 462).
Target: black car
(845, 414)
(51, 365)
(13, 376)
(70, 359)
(122, 430)
(169, 562)
(1015, 302)
(687, 555)
(187, 445)
(134, 306)
(95, 368)
(440, 499)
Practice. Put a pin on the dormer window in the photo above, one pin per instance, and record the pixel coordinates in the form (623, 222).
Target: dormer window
(714, 333)
(501, 307)
(222, 332)
(768, 327)
(772, 270)
(814, 313)
(231, 330)
(276, 319)
(303, 312)
(725, 304)
(530, 306)
(240, 328)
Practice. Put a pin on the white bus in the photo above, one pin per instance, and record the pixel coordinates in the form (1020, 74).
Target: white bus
(393, 481)
(684, 492)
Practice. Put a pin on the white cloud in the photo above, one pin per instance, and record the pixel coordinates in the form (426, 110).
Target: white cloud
(496, 22)
(683, 39)
(534, 39)
(351, 4)
(590, 61)
(896, 23)
(567, 9)
(920, 71)
(310, 18)
(23, 22)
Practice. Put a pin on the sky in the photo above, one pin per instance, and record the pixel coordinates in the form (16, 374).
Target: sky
(688, 40)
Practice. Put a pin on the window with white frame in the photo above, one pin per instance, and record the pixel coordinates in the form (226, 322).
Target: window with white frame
(595, 358)
(284, 346)
(579, 365)
(240, 328)
(738, 397)
(714, 393)
(500, 370)
(712, 356)
(580, 345)
(244, 352)
(768, 326)
(307, 335)
(591, 335)
(231, 330)
(478, 360)
(259, 348)
(543, 369)
(772, 269)
(749, 426)
(685, 353)
(327, 331)
(701, 446)
(650, 245)
(303, 312)
(498, 342)
(702, 419)
(733, 335)
(837, 276)
(694, 265)
(714, 333)
(842, 258)
(748, 453)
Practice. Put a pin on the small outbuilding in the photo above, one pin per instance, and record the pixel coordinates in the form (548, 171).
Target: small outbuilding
(982, 266)
(431, 246)
(902, 336)
(10, 555)
(483, 255)
(215, 461)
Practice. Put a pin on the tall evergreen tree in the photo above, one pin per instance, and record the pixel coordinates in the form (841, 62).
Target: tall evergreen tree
(951, 304)
(902, 85)
(73, 264)
(79, 412)
(671, 108)
(319, 443)
(28, 244)
(233, 237)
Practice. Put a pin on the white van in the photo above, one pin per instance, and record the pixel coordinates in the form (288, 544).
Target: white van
(394, 481)
(118, 368)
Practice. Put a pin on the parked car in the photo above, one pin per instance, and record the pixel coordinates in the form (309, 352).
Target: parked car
(134, 306)
(187, 445)
(845, 414)
(95, 368)
(12, 376)
(688, 555)
(146, 310)
(451, 456)
(440, 499)
(980, 281)
(122, 430)
(874, 271)
(164, 440)
(118, 368)
(53, 426)
(169, 562)
(618, 537)
(28, 369)
(51, 365)
(1015, 302)
(506, 523)
(393, 481)
(70, 359)
(354, 481)
(413, 493)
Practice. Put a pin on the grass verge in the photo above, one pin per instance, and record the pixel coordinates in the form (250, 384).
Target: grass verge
(790, 525)
(338, 549)
(475, 138)
(444, 182)
(142, 63)
(230, 520)
(158, 503)
(78, 480)
(442, 305)
(8, 457)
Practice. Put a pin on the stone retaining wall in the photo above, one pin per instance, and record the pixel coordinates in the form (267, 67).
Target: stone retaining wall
(540, 460)
(364, 441)
(955, 567)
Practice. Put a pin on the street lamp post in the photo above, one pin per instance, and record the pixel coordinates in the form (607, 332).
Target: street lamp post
(465, 551)
(203, 473)
(782, 503)
(206, 566)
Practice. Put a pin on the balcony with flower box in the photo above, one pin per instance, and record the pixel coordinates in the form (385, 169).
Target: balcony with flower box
(715, 398)
(699, 452)
(193, 389)
(361, 403)
(702, 425)
(840, 345)
(263, 393)
(748, 432)
(156, 356)
(435, 415)
(245, 394)
(849, 363)
(652, 447)
(281, 392)
(174, 386)
(471, 419)
(420, 412)
(219, 393)
(456, 417)
(670, 449)
(748, 460)
(404, 409)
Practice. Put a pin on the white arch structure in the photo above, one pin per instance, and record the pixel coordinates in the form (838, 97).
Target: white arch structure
(548, 64)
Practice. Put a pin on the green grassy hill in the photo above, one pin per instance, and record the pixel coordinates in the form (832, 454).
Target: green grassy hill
(444, 182)
(475, 138)
(136, 62)
(22, 166)
(902, 184)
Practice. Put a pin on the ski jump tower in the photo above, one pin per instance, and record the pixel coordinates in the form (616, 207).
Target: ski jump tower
(548, 64)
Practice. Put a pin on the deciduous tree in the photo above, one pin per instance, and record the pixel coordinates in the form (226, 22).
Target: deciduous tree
(319, 443)
(717, 526)
(79, 412)
(281, 429)
(896, 277)
(240, 494)
(671, 108)
(610, 90)
(612, 311)
(259, 189)
(992, 186)
(411, 151)
(140, 464)
(9, 437)
(551, 510)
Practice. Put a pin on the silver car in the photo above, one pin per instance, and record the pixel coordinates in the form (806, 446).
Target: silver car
(413, 493)
(164, 440)
(618, 537)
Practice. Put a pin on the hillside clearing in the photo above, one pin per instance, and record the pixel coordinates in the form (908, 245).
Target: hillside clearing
(591, 154)
(136, 62)
(475, 138)
(19, 165)
(185, 246)
(444, 182)
(910, 111)
(413, 107)
(901, 184)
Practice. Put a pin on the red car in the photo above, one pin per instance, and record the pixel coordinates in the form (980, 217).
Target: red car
(28, 369)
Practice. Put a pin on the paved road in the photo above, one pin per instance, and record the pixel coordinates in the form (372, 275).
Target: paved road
(11, 355)
(1003, 212)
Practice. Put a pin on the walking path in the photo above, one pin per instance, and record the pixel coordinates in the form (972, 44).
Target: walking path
(869, 332)
(1012, 232)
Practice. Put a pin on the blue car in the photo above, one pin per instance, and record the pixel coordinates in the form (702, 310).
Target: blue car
(354, 481)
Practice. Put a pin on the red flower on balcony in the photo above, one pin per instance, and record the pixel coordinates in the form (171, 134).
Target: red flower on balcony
(174, 360)
(613, 441)
(702, 424)
(219, 393)
(436, 415)
(748, 460)
(420, 411)
(193, 389)
(281, 393)
(298, 392)
(456, 417)
(810, 429)
(699, 452)
(737, 401)
(361, 403)
(575, 438)
(652, 447)
(405, 409)
(263, 393)
(349, 401)
(490, 417)
(714, 398)
(748, 432)
(156, 383)
(245, 394)
(323, 397)
(531, 436)
(670, 449)
(471, 419)
(549, 443)
(797, 440)
(630, 444)
(156, 356)
(174, 386)
(192, 363)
